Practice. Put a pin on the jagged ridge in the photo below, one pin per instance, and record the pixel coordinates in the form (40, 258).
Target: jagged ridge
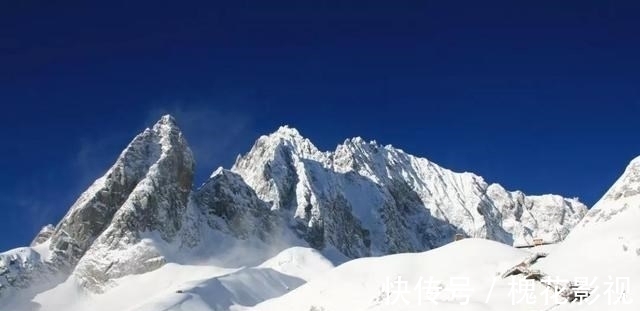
(367, 199)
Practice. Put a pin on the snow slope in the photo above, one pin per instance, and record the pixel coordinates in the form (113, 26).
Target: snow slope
(368, 283)
(605, 247)
(207, 286)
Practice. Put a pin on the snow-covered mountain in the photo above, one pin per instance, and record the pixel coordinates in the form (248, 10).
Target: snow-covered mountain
(367, 199)
(144, 216)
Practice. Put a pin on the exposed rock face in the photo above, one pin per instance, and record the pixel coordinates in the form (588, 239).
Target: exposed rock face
(155, 205)
(145, 191)
(156, 166)
(362, 199)
(366, 199)
(231, 206)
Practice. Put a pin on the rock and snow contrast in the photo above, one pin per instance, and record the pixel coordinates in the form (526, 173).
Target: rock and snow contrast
(290, 227)
(366, 199)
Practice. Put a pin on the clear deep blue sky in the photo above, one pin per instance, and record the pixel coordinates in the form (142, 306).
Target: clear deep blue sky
(541, 96)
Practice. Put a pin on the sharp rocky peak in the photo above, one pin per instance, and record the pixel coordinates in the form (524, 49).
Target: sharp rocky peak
(168, 120)
(145, 190)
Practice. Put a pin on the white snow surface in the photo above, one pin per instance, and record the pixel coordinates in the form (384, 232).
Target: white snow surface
(605, 246)
(219, 285)
(367, 283)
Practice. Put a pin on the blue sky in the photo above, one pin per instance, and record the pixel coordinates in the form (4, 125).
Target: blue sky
(538, 96)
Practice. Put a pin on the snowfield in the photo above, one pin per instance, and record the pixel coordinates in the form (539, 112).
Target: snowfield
(463, 275)
(397, 282)
(176, 287)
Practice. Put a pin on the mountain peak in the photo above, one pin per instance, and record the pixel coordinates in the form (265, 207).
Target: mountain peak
(167, 119)
(360, 141)
(287, 131)
(288, 138)
(286, 134)
(166, 125)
